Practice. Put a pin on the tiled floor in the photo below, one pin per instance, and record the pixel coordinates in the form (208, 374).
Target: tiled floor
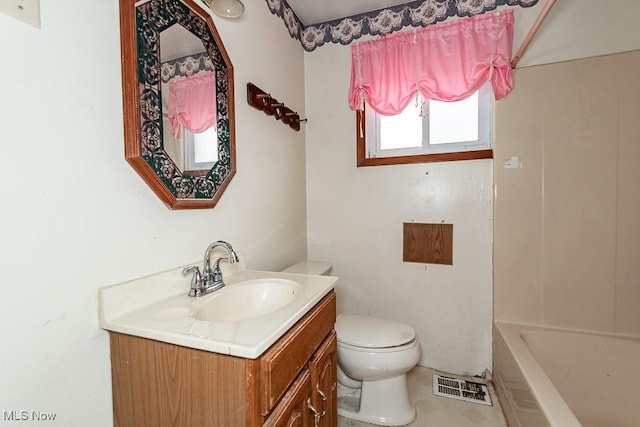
(436, 411)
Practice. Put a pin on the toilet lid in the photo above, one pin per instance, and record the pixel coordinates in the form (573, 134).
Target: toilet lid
(371, 332)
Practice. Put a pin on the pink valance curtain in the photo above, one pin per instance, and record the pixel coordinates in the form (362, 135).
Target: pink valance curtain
(192, 103)
(443, 62)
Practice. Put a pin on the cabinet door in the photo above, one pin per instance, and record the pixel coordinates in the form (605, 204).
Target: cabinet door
(323, 367)
(293, 410)
(284, 360)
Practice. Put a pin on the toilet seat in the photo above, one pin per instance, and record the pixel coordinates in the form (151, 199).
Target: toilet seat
(366, 332)
(380, 350)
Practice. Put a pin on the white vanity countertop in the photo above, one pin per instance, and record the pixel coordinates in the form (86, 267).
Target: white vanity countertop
(157, 307)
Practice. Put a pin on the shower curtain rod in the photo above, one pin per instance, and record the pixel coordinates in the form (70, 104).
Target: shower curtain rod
(532, 32)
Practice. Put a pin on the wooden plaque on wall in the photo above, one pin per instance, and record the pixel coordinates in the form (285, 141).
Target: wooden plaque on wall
(428, 243)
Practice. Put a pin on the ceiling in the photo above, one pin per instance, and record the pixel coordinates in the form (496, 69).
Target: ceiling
(573, 29)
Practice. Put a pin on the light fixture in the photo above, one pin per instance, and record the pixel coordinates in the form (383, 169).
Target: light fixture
(226, 8)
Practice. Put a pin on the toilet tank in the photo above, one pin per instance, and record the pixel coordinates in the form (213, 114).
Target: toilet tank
(319, 268)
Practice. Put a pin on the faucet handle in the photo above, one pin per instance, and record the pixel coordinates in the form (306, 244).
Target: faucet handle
(216, 273)
(196, 279)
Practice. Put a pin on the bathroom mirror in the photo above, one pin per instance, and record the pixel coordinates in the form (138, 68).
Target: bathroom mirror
(178, 101)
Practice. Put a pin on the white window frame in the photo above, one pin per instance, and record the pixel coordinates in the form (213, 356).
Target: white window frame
(484, 141)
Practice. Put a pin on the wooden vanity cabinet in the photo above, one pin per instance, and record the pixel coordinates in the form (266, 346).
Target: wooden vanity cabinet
(160, 384)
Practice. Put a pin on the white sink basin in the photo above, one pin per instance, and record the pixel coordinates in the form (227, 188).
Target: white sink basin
(244, 300)
(242, 319)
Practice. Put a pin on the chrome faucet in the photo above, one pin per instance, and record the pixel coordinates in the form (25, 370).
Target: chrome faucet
(211, 279)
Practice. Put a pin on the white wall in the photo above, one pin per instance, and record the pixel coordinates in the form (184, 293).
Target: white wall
(355, 218)
(577, 29)
(76, 217)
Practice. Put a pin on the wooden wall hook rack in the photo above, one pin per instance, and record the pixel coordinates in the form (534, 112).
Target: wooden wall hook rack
(264, 102)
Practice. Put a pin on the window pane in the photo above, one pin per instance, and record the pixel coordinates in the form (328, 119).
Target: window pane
(403, 130)
(205, 146)
(451, 122)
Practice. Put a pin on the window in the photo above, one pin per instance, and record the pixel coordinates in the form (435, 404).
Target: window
(427, 132)
(201, 152)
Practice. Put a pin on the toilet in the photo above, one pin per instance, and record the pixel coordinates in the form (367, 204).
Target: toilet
(374, 356)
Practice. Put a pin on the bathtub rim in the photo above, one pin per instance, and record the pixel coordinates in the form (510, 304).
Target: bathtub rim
(550, 328)
(551, 402)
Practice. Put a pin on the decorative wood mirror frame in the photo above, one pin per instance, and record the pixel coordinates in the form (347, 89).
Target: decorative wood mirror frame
(140, 28)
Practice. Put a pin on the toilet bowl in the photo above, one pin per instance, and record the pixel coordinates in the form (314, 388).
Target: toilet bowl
(374, 356)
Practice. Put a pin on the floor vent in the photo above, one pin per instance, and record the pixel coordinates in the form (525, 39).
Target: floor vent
(456, 388)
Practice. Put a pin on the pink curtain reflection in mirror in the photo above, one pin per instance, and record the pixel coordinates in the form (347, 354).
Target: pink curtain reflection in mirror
(192, 103)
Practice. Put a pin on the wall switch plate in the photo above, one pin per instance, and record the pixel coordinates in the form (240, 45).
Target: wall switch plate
(513, 163)
(25, 10)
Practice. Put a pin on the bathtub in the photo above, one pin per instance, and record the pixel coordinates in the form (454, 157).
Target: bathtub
(561, 378)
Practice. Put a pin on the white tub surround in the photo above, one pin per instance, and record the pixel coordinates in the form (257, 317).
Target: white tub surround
(566, 378)
(157, 307)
